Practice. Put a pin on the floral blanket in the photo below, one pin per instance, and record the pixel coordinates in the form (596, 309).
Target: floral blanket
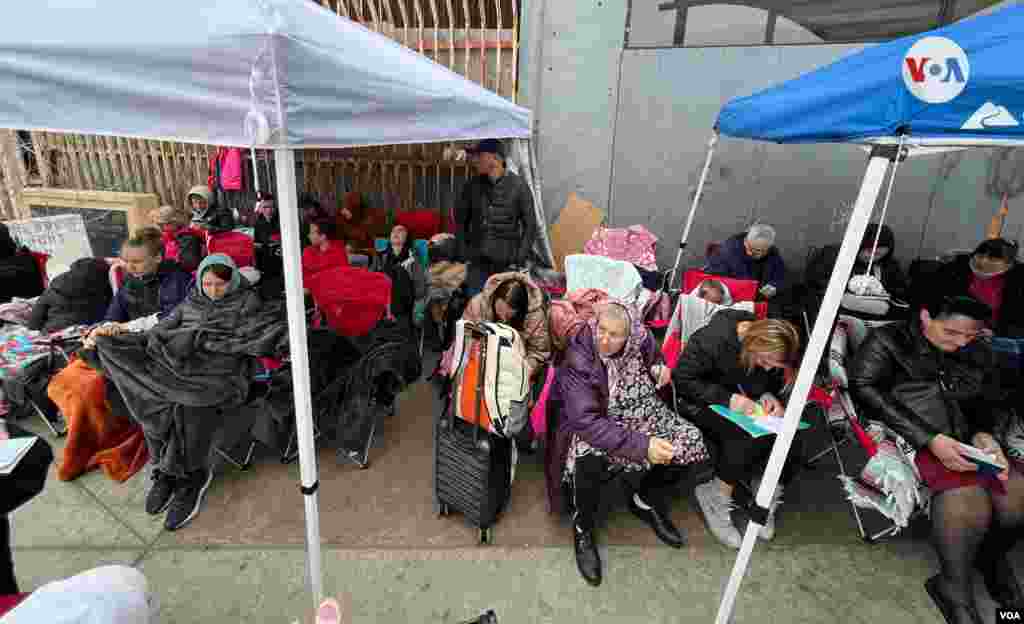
(19, 347)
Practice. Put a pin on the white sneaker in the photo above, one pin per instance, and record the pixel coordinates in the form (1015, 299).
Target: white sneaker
(716, 505)
(767, 531)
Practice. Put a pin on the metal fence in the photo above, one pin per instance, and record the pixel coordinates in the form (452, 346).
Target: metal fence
(475, 38)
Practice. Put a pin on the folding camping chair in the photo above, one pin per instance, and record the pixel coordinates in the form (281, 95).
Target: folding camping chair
(351, 300)
(742, 291)
(421, 249)
(841, 419)
(238, 246)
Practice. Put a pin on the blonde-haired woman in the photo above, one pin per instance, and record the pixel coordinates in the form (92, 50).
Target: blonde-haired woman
(737, 361)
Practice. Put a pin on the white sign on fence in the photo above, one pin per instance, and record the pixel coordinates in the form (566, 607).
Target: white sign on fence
(63, 237)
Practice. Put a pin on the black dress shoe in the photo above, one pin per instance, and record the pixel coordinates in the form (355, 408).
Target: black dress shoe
(660, 522)
(1002, 584)
(587, 559)
(955, 611)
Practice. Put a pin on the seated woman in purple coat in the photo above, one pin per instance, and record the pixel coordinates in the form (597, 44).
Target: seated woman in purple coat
(612, 420)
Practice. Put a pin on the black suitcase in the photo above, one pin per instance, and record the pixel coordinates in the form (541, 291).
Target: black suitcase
(472, 468)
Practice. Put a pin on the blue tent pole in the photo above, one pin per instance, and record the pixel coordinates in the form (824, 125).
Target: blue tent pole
(870, 189)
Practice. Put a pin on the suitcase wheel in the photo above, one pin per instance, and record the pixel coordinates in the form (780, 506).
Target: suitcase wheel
(442, 509)
(485, 536)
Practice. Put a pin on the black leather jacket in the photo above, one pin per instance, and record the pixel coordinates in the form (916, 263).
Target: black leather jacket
(898, 377)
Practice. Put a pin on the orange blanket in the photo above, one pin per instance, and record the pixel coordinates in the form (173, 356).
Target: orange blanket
(96, 437)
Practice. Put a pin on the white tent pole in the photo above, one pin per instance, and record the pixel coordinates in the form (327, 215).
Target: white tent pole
(885, 208)
(712, 142)
(255, 170)
(870, 188)
(291, 254)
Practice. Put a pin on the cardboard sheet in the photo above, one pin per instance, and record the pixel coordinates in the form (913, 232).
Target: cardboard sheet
(576, 223)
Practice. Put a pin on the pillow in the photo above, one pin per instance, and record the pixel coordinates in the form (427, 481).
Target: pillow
(740, 289)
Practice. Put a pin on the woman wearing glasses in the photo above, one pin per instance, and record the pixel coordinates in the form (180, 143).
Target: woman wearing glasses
(613, 421)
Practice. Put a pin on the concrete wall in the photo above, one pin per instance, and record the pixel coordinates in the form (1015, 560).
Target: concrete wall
(627, 130)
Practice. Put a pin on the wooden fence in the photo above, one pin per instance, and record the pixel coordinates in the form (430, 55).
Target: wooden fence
(475, 38)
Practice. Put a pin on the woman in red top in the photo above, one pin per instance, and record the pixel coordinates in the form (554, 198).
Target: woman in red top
(324, 251)
(993, 276)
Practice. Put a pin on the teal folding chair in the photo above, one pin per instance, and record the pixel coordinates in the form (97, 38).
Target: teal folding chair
(421, 248)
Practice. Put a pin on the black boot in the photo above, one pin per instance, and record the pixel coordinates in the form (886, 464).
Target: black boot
(956, 609)
(1001, 582)
(658, 519)
(588, 561)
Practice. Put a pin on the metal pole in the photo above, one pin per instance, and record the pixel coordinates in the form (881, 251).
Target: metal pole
(869, 191)
(712, 142)
(291, 253)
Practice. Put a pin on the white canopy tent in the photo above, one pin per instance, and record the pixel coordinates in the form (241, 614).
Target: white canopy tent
(948, 89)
(271, 74)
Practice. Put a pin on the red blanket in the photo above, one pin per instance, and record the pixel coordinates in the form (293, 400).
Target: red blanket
(96, 437)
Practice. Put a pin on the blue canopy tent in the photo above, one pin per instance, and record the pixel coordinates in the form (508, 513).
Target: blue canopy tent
(951, 88)
(272, 74)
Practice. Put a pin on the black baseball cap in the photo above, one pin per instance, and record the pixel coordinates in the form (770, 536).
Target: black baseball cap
(487, 146)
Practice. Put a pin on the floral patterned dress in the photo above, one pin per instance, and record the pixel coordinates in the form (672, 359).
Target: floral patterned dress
(637, 407)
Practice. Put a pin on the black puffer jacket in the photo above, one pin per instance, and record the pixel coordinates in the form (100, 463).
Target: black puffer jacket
(709, 370)
(79, 297)
(19, 273)
(886, 268)
(898, 377)
(495, 221)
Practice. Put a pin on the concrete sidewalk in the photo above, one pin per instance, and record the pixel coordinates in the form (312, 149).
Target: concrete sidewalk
(816, 570)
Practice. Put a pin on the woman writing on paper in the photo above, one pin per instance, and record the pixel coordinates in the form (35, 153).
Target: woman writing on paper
(739, 362)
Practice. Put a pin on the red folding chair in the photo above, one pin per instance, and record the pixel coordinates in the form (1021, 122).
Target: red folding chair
(7, 603)
(235, 245)
(41, 260)
(741, 290)
(420, 223)
(352, 300)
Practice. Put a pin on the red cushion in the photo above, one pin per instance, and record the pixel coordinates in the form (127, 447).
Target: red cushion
(740, 289)
(420, 223)
(353, 299)
(41, 260)
(235, 245)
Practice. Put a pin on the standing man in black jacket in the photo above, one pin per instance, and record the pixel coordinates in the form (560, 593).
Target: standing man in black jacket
(495, 223)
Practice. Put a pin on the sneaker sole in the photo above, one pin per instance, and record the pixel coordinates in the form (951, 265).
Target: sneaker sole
(199, 503)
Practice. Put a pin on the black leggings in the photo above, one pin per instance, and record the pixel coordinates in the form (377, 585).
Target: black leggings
(739, 457)
(971, 526)
(16, 489)
(593, 471)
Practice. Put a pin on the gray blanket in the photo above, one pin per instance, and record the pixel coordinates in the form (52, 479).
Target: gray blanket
(178, 378)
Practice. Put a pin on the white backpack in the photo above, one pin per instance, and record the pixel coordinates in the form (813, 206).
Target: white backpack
(500, 351)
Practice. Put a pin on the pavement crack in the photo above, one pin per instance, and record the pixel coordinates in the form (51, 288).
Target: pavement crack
(110, 511)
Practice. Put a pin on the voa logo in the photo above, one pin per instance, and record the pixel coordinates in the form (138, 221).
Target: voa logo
(936, 70)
